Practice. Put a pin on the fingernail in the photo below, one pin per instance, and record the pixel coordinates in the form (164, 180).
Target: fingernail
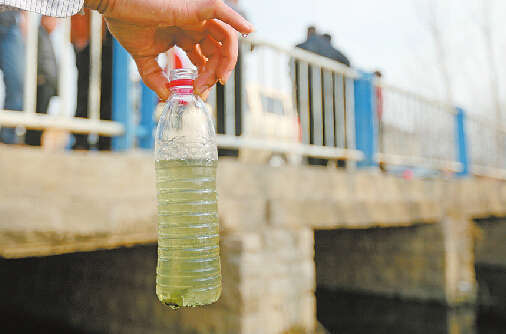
(222, 81)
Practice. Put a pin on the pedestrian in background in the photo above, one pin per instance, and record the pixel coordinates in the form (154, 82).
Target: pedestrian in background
(47, 78)
(80, 37)
(11, 63)
(220, 96)
(320, 44)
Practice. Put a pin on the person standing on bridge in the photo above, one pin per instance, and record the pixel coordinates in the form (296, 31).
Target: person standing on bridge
(205, 29)
(320, 44)
(220, 95)
(80, 37)
(47, 79)
(11, 64)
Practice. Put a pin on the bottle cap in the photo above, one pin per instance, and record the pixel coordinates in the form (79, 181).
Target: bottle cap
(181, 82)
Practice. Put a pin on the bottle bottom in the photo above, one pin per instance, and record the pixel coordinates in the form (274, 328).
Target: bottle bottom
(192, 298)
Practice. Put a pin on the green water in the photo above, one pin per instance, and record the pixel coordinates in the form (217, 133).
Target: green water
(188, 271)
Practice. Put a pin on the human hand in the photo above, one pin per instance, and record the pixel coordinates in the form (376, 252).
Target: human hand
(205, 29)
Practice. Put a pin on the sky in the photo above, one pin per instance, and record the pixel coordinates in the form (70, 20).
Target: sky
(393, 36)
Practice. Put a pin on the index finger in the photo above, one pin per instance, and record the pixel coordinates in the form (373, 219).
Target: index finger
(219, 10)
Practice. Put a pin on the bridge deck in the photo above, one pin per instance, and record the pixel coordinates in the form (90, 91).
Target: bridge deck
(54, 203)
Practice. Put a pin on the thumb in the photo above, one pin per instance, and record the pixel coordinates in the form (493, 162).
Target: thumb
(153, 76)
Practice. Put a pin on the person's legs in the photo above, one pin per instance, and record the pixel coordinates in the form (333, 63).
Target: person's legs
(11, 64)
(44, 94)
(104, 143)
(83, 69)
(220, 121)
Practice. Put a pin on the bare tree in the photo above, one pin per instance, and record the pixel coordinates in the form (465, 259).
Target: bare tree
(429, 11)
(451, 67)
(486, 30)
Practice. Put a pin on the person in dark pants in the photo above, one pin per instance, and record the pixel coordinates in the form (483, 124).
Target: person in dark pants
(321, 45)
(80, 39)
(220, 96)
(12, 65)
(47, 80)
(220, 106)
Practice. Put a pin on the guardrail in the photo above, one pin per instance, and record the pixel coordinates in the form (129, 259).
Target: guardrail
(285, 102)
(415, 131)
(487, 147)
(31, 120)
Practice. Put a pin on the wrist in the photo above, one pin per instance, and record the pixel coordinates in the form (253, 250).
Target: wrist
(91, 4)
(98, 5)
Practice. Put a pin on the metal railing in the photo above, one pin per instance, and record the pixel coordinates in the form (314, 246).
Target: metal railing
(487, 147)
(287, 102)
(415, 131)
(61, 121)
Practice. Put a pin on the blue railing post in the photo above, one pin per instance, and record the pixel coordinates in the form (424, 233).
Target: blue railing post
(149, 100)
(121, 104)
(461, 141)
(365, 109)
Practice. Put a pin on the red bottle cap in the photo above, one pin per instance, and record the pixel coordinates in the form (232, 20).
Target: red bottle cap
(181, 82)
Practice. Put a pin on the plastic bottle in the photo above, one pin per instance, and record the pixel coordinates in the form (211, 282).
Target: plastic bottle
(188, 271)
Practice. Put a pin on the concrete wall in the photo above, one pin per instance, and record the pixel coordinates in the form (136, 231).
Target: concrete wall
(414, 238)
(491, 242)
(99, 292)
(351, 312)
(55, 203)
(425, 261)
(490, 237)
(113, 292)
(393, 261)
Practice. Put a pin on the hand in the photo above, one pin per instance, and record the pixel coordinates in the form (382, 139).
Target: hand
(205, 29)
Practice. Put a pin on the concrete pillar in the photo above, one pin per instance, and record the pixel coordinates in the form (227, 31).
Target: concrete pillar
(270, 279)
(459, 268)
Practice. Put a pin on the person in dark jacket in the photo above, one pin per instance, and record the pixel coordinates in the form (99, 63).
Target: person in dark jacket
(321, 45)
(330, 52)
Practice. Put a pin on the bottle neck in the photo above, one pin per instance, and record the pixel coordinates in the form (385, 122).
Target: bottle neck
(181, 90)
(181, 86)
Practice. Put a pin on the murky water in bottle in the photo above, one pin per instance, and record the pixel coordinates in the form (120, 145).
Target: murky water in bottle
(188, 272)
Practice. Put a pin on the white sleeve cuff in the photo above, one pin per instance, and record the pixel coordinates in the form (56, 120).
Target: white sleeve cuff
(55, 8)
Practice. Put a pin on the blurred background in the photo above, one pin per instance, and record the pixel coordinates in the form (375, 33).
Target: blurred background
(362, 173)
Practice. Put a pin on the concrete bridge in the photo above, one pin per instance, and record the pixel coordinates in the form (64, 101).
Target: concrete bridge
(284, 231)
